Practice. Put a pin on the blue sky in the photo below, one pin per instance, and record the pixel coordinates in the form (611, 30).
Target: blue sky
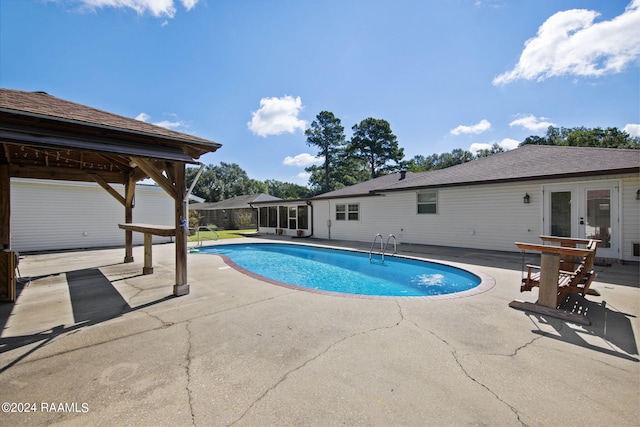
(252, 75)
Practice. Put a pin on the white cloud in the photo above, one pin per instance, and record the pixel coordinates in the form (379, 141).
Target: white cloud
(506, 144)
(304, 176)
(302, 160)
(509, 143)
(144, 117)
(157, 8)
(482, 126)
(570, 43)
(169, 124)
(531, 122)
(632, 129)
(189, 4)
(276, 116)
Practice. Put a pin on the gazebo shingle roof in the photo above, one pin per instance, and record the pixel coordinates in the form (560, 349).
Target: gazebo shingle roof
(45, 105)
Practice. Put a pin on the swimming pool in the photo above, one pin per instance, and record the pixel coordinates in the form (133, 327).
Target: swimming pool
(345, 272)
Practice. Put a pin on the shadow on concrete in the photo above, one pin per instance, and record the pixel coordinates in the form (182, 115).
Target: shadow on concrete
(7, 307)
(610, 331)
(94, 300)
(93, 296)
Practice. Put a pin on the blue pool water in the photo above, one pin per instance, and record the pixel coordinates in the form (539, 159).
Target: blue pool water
(346, 272)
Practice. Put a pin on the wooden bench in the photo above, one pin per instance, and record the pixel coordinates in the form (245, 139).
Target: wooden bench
(149, 230)
(549, 275)
(568, 261)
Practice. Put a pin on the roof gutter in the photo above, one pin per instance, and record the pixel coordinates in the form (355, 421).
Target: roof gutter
(620, 171)
(175, 136)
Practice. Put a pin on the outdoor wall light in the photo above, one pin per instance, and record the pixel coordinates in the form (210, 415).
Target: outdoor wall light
(527, 198)
(638, 195)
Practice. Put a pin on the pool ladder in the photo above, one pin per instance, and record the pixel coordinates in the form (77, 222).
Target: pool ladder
(383, 248)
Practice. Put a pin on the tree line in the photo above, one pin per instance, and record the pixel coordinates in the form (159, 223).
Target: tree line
(229, 180)
(372, 151)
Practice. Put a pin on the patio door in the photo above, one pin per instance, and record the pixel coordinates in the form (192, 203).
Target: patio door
(587, 211)
(293, 218)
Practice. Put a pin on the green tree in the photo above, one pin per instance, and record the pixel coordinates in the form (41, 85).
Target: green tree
(223, 182)
(374, 142)
(495, 149)
(583, 137)
(439, 161)
(347, 171)
(286, 190)
(326, 133)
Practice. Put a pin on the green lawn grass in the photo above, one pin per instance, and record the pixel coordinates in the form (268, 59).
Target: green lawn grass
(223, 234)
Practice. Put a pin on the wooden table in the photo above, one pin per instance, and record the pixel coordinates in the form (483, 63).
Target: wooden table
(549, 275)
(149, 230)
(566, 242)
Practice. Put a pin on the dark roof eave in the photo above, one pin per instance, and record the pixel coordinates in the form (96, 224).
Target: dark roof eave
(177, 138)
(96, 145)
(622, 171)
(279, 202)
(348, 196)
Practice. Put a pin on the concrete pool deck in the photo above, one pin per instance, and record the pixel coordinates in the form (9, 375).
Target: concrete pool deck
(92, 341)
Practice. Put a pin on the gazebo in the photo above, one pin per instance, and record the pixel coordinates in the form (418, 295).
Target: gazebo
(44, 137)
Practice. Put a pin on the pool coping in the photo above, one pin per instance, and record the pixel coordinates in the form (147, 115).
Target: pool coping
(486, 282)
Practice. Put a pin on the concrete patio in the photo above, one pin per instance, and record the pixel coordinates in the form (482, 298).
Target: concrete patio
(101, 344)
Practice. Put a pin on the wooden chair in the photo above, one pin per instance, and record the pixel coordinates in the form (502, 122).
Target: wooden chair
(576, 281)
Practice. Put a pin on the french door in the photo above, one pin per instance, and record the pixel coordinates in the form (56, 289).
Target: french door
(587, 211)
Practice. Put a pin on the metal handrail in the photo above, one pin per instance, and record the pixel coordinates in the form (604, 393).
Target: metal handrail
(374, 243)
(395, 246)
(206, 228)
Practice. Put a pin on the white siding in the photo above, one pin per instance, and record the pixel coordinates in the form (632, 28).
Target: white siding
(49, 215)
(491, 216)
(630, 217)
(483, 217)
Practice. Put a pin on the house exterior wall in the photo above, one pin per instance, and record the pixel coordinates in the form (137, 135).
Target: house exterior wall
(51, 215)
(491, 216)
(630, 211)
(482, 217)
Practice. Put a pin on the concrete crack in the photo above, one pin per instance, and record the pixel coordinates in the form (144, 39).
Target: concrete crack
(523, 346)
(188, 372)
(511, 407)
(454, 353)
(164, 324)
(323, 352)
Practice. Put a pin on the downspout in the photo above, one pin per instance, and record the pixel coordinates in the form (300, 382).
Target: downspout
(193, 184)
(310, 204)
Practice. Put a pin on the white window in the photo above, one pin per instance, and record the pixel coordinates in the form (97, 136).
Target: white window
(428, 202)
(348, 212)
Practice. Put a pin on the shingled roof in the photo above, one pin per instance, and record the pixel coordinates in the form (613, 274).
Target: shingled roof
(38, 130)
(41, 104)
(526, 163)
(368, 187)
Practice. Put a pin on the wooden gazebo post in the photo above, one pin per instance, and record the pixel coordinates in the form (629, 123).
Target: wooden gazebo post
(7, 284)
(182, 224)
(5, 207)
(129, 194)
